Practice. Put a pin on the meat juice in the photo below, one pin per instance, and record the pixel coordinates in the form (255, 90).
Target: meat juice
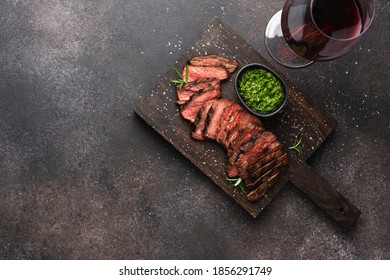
(326, 31)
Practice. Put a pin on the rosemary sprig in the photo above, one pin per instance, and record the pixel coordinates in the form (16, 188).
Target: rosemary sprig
(180, 81)
(238, 183)
(297, 146)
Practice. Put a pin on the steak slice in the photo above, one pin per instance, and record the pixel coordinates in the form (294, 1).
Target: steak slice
(241, 123)
(259, 145)
(267, 175)
(213, 60)
(232, 170)
(233, 118)
(226, 118)
(194, 87)
(214, 117)
(203, 72)
(260, 191)
(200, 120)
(243, 135)
(190, 109)
(257, 168)
(258, 158)
(256, 144)
(268, 165)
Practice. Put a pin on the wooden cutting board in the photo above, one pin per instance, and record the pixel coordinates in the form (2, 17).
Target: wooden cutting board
(300, 116)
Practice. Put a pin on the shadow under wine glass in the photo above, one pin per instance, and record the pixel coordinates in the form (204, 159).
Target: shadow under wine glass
(305, 31)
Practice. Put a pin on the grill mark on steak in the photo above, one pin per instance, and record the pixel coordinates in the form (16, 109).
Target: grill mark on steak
(244, 120)
(225, 120)
(242, 136)
(200, 120)
(203, 72)
(268, 165)
(256, 168)
(260, 191)
(190, 109)
(214, 117)
(263, 137)
(248, 145)
(230, 124)
(267, 175)
(212, 60)
(274, 146)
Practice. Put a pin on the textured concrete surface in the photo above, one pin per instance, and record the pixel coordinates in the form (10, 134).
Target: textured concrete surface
(82, 177)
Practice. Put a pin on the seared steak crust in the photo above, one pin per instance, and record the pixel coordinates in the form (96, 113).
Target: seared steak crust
(200, 120)
(213, 60)
(214, 117)
(204, 72)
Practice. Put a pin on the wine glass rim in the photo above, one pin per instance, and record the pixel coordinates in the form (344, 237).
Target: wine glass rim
(348, 39)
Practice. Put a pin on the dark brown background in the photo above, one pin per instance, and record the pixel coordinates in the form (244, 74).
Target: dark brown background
(83, 177)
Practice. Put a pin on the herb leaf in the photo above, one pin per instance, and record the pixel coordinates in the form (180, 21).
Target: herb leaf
(180, 81)
(297, 144)
(238, 183)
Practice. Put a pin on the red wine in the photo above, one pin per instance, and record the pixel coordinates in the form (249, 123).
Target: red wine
(325, 31)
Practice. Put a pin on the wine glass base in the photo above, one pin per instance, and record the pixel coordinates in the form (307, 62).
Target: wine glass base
(277, 46)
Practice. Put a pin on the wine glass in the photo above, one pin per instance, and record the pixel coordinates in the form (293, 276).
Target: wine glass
(316, 30)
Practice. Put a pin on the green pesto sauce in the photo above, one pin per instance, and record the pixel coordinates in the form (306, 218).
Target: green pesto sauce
(261, 90)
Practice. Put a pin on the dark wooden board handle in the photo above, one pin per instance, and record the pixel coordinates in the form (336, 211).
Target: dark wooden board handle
(322, 193)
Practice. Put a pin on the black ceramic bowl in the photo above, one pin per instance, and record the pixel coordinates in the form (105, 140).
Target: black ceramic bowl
(255, 112)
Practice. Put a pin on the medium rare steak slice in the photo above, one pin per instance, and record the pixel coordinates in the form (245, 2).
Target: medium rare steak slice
(256, 144)
(214, 117)
(226, 118)
(244, 120)
(245, 135)
(200, 120)
(194, 87)
(258, 158)
(213, 60)
(232, 170)
(203, 72)
(241, 136)
(190, 109)
(233, 118)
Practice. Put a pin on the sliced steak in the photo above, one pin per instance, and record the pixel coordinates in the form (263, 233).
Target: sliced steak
(190, 109)
(267, 175)
(242, 136)
(214, 117)
(260, 191)
(261, 143)
(200, 120)
(232, 170)
(258, 158)
(246, 136)
(226, 118)
(241, 123)
(194, 87)
(204, 72)
(255, 144)
(251, 177)
(233, 118)
(213, 60)
(257, 168)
